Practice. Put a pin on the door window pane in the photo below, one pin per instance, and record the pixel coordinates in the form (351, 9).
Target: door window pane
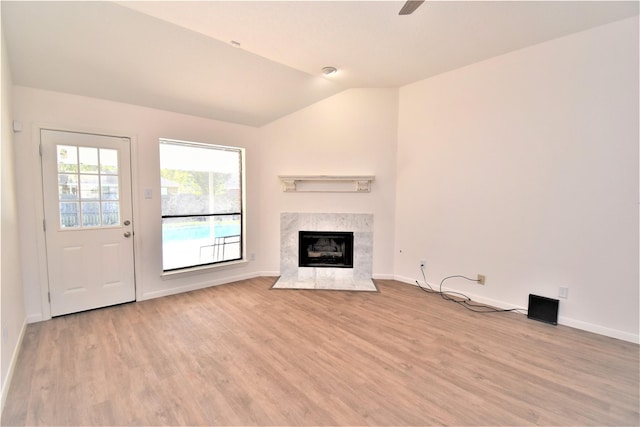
(108, 161)
(88, 159)
(110, 213)
(67, 186)
(109, 186)
(88, 175)
(69, 215)
(67, 158)
(90, 214)
(89, 187)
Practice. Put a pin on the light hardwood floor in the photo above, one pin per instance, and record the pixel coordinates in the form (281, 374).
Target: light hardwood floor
(243, 354)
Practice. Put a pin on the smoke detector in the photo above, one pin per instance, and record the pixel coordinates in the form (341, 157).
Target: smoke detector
(329, 71)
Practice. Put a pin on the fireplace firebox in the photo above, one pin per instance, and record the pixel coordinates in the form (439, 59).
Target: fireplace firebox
(325, 249)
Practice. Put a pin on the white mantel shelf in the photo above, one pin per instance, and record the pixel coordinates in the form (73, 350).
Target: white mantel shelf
(327, 183)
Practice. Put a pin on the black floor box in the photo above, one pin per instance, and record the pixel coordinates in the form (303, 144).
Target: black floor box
(543, 309)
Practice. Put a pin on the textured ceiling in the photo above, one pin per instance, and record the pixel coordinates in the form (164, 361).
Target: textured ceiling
(177, 56)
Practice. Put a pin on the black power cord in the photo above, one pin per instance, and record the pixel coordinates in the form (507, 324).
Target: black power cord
(462, 299)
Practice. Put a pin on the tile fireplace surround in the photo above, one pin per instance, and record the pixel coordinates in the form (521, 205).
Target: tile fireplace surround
(357, 278)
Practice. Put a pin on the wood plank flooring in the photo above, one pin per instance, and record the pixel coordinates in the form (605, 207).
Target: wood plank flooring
(244, 354)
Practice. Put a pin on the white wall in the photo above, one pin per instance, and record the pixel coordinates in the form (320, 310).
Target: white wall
(524, 168)
(351, 133)
(36, 107)
(13, 317)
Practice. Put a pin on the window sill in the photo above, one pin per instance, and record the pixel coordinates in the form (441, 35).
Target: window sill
(168, 275)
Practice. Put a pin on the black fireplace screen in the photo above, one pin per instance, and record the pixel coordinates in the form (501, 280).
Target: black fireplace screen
(325, 249)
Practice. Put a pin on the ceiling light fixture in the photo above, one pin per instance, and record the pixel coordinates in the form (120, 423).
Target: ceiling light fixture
(329, 71)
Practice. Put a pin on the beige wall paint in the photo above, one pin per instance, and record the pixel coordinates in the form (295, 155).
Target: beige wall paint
(524, 168)
(351, 133)
(13, 317)
(145, 126)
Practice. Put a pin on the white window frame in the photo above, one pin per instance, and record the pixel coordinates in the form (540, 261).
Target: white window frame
(217, 265)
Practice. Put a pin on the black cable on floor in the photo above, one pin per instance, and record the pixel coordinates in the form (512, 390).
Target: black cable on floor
(462, 299)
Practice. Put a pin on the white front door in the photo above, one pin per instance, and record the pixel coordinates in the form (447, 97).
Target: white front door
(88, 220)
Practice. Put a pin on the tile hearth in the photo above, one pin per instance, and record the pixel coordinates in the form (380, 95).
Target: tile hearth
(357, 278)
(326, 284)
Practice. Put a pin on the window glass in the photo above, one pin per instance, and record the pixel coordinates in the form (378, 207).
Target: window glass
(201, 190)
(87, 177)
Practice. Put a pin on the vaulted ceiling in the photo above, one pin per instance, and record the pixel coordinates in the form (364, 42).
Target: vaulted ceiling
(183, 56)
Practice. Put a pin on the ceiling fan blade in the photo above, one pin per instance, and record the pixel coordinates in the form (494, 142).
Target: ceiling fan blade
(410, 6)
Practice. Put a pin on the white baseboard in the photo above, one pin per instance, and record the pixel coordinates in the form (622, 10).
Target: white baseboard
(34, 318)
(195, 286)
(269, 274)
(565, 321)
(384, 276)
(600, 330)
(477, 298)
(6, 384)
(403, 279)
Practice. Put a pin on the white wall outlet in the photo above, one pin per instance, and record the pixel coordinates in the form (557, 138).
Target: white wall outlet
(563, 292)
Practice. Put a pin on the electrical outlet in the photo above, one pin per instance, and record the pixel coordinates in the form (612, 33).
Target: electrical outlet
(423, 263)
(481, 279)
(563, 292)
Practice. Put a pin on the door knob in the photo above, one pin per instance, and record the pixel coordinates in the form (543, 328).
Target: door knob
(127, 234)
(127, 222)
